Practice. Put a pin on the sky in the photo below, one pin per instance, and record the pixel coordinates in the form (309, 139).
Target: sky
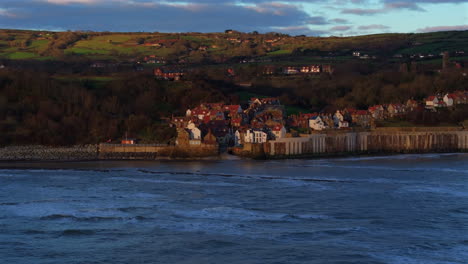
(293, 17)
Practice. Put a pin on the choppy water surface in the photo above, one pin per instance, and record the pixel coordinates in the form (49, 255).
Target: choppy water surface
(396, 209)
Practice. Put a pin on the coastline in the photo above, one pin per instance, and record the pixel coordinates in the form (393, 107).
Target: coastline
(90, 153)
(320, 145)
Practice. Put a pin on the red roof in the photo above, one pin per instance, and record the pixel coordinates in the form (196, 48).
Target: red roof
(232, 108)
(236, 120)
(308, 115)
(277, 128)
(431, 98)
(360, 112)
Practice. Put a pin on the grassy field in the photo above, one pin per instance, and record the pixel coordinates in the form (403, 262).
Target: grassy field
(279, 52)
(115, 45)
(21, 55)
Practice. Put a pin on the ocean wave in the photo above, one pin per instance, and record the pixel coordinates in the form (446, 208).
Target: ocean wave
(239, 214)
(222, 184)
(254, 176)
(397, 157)
(50, 211)
(77, 232)
(386, 168)
(449, 190)
(229, 213)
(423, 255)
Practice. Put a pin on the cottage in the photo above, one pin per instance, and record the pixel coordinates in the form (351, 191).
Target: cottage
(237, 138)
(432, 102)
(377, 111)
(194, 131)
(411, 105)
(255, 136)
(361, 118)
(450, 99)
(279, 131)
(316, 123)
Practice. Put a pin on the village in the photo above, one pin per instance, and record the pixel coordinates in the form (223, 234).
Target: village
(219, 127)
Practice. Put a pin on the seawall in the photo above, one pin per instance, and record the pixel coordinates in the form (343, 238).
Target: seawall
(416, 140)
(153, 151)
(47, 153)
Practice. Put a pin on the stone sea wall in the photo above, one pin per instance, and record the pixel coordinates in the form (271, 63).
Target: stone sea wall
(150, 151)
(47, 153)
(378, 141)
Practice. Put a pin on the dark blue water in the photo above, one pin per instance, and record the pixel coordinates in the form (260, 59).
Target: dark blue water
(397, 209)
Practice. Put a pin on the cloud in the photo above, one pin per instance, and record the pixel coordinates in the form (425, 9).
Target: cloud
(318, 20)
(443, 28)
(393, 6)
(339, 21)
(361, 11)
(373, 27)
(123, 15)
(66, 2)
(340, 28)
(6, 13)
(428, 1)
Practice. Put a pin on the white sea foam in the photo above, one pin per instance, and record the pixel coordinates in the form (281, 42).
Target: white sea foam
(47, 209)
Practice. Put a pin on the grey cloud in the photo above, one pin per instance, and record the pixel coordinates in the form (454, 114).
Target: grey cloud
(373, 27)
(443, 28)
(153, 17)
(339, 21)
(385, 9)
(340, 28)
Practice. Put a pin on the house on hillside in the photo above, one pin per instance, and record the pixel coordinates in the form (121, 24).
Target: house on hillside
(316, 123)
(255, 136)
(450, 99)
(361, 118)
(432, 102)
(168, 74)
(377, 112)
(194, 131)
(411, 105)
(279, 131)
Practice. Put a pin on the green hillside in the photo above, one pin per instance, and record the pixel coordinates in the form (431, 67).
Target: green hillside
(217, 47)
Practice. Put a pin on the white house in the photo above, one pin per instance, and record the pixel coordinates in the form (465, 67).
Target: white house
(449, 99)
(432, 102)
(279, 131)
(195, 133)
(338, 118)
(316, 123)
(255, 136)
(237, 138)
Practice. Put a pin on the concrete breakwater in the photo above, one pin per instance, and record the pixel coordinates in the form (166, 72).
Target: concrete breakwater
(378, 141)
(154, 151)
(47, 153)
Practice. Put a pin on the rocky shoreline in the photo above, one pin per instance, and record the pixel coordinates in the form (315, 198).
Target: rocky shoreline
(48, 153)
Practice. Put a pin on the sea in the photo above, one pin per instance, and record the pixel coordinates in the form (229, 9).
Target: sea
(386, 209)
